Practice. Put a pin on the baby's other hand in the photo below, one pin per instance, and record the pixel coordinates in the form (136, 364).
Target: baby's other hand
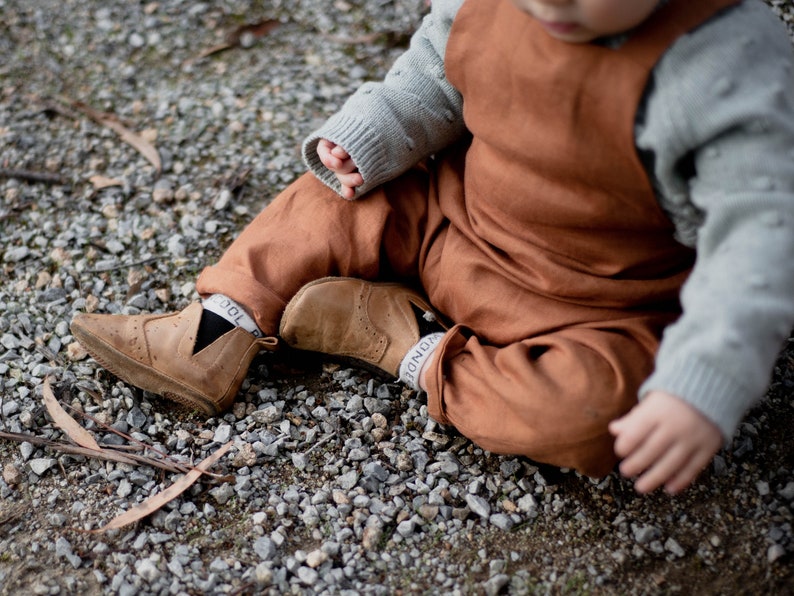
(664, 441)
(336, 159)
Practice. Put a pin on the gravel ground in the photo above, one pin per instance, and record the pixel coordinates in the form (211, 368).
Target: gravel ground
(337, 482)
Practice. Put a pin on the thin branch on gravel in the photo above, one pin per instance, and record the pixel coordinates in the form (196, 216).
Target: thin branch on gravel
(136, 444)
(106, 454)
(126, 265)
(322, 441)
(84, 444)
(32, 176)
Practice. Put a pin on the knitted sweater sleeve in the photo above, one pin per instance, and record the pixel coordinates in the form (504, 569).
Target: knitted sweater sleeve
(719, 130)
(390, 126)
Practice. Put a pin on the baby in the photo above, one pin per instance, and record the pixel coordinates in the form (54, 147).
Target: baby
(556, 208)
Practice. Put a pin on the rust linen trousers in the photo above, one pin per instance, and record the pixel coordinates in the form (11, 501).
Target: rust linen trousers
(541, 239)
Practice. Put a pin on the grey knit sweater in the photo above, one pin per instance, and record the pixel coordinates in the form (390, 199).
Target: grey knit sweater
(718, 122)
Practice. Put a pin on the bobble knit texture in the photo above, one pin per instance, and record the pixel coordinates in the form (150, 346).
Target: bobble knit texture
(716, 131)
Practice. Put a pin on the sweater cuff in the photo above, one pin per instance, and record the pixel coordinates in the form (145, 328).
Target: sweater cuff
(361, 142)
(714, 393)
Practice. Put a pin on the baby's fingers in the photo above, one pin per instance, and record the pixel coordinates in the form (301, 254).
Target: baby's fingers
(700, 457)
(352, 179)
(644, 455)
(340, 153)
(629, 432)
(668, 466)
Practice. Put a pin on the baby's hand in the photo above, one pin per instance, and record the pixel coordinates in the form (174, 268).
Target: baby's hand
(336, 159)
(665, 441)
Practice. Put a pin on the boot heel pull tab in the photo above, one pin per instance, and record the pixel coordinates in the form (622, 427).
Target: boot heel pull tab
(268, 343)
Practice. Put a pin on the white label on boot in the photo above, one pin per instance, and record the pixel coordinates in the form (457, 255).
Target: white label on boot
(225, 307)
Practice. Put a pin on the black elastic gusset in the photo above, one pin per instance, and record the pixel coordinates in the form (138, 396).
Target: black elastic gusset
(211, 327)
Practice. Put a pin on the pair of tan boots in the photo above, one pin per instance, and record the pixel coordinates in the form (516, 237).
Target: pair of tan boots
(375, 324)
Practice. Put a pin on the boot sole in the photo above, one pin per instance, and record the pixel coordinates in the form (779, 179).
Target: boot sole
(140, 375)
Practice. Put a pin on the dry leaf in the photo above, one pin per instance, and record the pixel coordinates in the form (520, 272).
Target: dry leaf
(65, 422)
(244, 36)
(112, 122)
(155, 502)
(99, 182)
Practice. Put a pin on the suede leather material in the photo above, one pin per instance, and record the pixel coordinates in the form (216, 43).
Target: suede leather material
(356, 319)
(155, 353)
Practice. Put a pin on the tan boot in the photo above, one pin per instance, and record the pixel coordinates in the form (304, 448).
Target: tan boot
(373, 323)
(155, 353)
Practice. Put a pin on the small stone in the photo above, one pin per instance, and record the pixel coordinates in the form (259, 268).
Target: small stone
(348, 480)
(495, 584)
(645, 534)
(404, 462)
(787, 492)
(672, 546)
(26, 449)
(478, 505)
(222, 433)
(263, 574)
(222, 493)
(509, 506)
(720, 466)
(162, 193)
(316, 558)
(75, 351)
(41, 464)
(11, 474)
(147, 570)
(222, 200)
(371, 537)
(434, 437)
(9, 408)
(775, 552)
(502, 521)
(136, 418)
(428, 512)
(376, 470)
(308, 576)
(267, 415)
(406, 528)
(358, 454)
(16, 254)
(509, 468)
(340, 497)
(265, 548)
(176, 246)
(136, 40)
(64, 550)
(125, 488)
(245, 456)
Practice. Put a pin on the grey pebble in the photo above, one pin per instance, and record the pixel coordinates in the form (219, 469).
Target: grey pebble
(41, 464)
(478, 505)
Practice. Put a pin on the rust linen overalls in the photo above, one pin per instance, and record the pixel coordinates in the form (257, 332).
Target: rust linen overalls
(541, 239)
